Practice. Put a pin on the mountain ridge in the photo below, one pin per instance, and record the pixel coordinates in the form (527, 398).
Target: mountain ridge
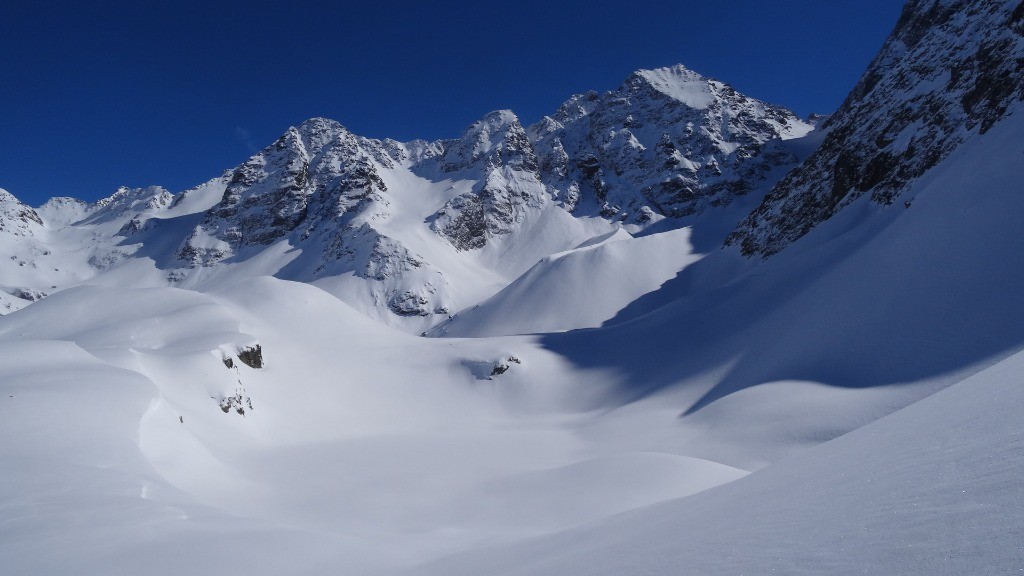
(396, 227)
(924, 94)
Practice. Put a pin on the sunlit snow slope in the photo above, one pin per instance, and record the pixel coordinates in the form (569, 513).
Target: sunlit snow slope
(229, 380)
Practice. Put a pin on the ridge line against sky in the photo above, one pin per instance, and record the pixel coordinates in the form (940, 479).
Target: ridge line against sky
(172, 94)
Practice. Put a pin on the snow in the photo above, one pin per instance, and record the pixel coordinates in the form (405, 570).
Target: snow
(408, 440)
(580, 288)
(682, 84)
(798, 414)
(934, 488)
(608, 398)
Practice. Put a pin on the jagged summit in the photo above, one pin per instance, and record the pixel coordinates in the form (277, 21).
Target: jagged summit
(498, 138)
(667, 141)
(318, 123)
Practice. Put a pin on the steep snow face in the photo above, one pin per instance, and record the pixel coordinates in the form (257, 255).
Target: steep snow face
(579, 288)
(950, 69)
(668, 141)
(682, 84)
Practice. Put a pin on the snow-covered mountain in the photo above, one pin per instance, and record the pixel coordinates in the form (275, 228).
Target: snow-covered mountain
(223, 380)
(950, 70)
(668, 141)
(410, 233)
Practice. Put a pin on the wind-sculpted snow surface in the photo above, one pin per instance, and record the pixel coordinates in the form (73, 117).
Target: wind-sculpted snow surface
(213, 381)
(950, 69)
(122, 405)
(932, 489)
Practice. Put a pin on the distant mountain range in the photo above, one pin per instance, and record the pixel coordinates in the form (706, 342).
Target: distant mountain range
(412, 232)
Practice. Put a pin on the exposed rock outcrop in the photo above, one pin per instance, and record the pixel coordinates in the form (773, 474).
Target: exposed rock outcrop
(949, 70)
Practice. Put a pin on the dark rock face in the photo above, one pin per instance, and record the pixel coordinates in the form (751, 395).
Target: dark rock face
(409, 303)
(26, 294)
(684, 142)
(462, 221)
(950, 69)
(251, 356)
(312, 175)
(502, 366)
(237, 402)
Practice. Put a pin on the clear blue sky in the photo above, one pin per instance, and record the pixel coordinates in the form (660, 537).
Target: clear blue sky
(99, 94)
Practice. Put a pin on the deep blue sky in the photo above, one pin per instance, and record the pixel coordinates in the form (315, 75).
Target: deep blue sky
(99, 94)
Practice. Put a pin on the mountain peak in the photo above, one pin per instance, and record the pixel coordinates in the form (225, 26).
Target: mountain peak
(18, 217)
(320, 124)
(679, 83)
(498, 137)
(493, 122)
(6, 197)
(318, 132)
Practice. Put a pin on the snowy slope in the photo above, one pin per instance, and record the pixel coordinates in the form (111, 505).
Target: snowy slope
(580, 288)
(932, 489)
(873, 297)
(362, 445)
(762, 370)
(357, 439)
(223, 380)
